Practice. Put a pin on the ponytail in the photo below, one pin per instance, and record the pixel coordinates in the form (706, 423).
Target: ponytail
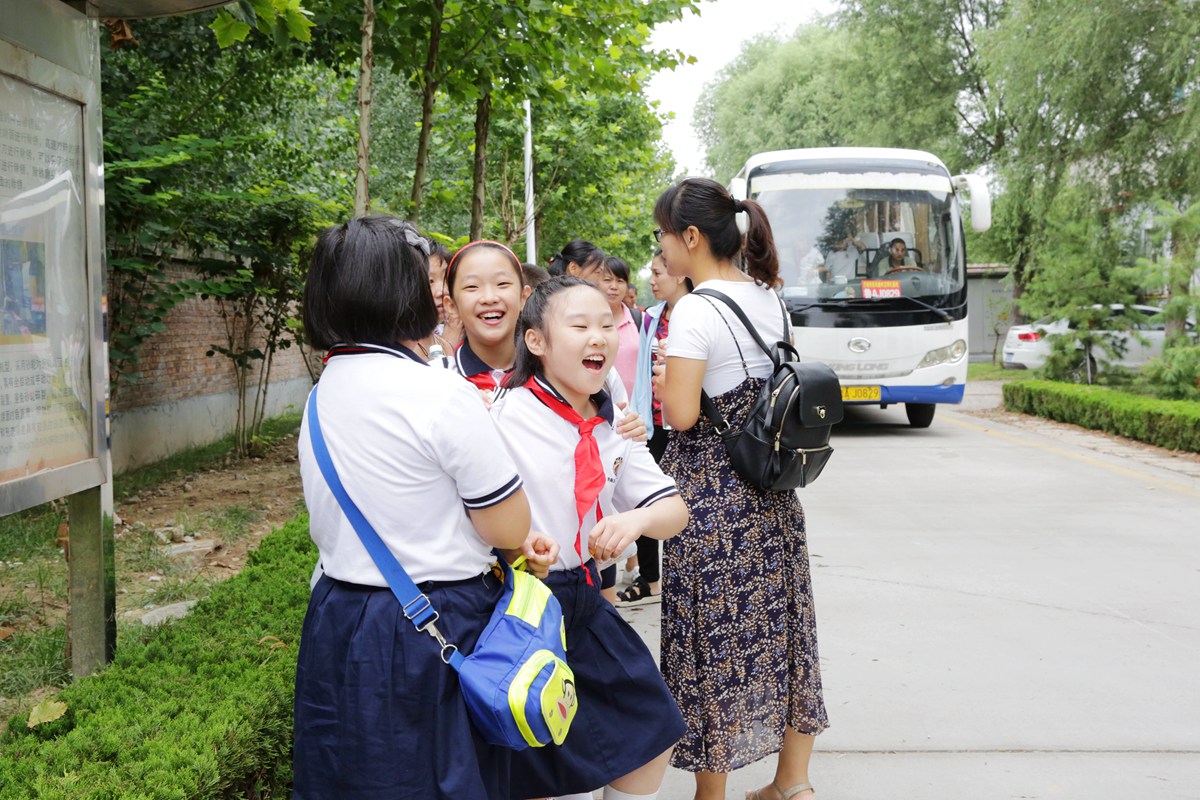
(578, 251)
(762, 259)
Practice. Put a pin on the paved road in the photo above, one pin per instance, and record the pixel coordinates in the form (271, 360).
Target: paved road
(1008, 608)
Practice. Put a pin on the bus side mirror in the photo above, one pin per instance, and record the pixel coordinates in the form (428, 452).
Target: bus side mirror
(737, 188)
(981, 201)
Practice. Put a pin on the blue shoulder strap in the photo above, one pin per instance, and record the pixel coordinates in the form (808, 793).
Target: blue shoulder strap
(413, 601)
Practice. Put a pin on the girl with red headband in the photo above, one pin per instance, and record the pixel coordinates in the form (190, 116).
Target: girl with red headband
(485, 289)
(594, 493)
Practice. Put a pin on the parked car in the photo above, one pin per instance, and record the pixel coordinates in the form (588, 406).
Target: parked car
(1140, 337)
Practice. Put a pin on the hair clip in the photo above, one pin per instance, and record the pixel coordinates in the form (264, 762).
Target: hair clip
(412, 236)
(416, 240)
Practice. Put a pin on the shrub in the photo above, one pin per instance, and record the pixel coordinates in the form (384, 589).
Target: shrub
(201, 709)
(1174, 424)
(1175, 375)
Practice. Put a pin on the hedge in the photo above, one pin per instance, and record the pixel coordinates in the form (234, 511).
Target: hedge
(1174, 424)
(201, 708)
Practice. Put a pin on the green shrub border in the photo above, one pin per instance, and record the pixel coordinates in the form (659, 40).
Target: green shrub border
(202, 708)
(1174, 424)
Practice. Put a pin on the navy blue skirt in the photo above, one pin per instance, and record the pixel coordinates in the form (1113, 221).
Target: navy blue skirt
(626, 715)
(379, 716)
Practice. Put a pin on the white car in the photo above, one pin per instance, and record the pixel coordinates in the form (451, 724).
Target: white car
(1142, 338)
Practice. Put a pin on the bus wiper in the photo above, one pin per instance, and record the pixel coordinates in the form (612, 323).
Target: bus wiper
(849, 302)
(943, 313)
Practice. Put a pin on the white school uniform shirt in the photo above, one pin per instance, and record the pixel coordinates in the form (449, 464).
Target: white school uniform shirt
(543, 446)
(415, 449)
(699, 331)
(469, 365)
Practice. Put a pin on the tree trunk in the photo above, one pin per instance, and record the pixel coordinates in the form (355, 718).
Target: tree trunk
(366, 66)
(483, 113)
(1183, 265)
(428, 95)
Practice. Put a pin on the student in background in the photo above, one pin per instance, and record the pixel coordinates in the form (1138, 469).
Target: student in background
(579, 258)
(631, 297)
(448, 332)
(667, 289)
(534, 275)
(614, 282)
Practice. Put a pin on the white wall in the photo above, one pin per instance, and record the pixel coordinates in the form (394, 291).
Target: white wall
(144, 435)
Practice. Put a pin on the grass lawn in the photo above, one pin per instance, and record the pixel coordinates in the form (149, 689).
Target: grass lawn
(987, 371)
(33, 570)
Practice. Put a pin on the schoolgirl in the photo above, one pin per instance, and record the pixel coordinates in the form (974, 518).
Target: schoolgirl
(377, 713)
(667, 289)
(557, 420)
(485, 290)
(739, 647)
(615, 284)
(448, 333)
(582, 259)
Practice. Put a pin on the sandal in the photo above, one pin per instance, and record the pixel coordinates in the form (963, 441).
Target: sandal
(786, 794)
(638, 594)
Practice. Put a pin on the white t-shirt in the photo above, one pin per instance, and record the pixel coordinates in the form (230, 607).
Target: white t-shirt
(415, 448)
(543, 445)
(698, 332)
(843, 262)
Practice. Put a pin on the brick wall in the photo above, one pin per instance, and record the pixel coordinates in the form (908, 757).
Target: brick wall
(174, 366)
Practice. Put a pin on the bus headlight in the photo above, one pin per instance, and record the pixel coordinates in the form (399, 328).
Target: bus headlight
(944, 355)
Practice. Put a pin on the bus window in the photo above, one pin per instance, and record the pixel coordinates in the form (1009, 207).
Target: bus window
(832, 240)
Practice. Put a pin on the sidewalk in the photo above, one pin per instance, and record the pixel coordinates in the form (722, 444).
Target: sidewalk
(1022, 624)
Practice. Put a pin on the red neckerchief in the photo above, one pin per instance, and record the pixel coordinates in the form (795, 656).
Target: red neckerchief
(474, 369)
(589, 472)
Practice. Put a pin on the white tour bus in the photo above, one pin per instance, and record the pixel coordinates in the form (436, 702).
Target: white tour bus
(873, 262)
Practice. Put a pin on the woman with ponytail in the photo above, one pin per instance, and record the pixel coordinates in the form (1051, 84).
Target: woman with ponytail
(739, 647)
(579, 258)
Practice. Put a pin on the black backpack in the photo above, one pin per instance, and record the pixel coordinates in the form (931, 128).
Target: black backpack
(784, 441)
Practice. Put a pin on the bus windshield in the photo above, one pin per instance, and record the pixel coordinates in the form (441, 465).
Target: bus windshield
(848, 243)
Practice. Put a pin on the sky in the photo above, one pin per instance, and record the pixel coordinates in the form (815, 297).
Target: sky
(715, 38)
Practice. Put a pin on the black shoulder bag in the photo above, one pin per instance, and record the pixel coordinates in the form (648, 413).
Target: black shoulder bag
(783, 443)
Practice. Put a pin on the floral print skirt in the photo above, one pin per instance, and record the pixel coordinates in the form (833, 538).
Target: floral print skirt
(739, 630)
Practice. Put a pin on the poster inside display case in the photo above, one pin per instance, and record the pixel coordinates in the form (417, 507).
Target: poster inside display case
(45, 317)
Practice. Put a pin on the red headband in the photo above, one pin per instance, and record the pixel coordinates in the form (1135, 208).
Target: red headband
(466, 247)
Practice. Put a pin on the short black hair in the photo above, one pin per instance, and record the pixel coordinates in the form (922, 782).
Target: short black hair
(369, 284)
(438, 249)
(534, 274)
(617, 267)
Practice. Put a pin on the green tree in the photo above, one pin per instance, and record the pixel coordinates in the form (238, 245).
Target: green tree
(779, 95)
(227, 181)
(1094, 95)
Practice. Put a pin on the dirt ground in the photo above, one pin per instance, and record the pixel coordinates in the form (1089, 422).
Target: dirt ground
(210, 519)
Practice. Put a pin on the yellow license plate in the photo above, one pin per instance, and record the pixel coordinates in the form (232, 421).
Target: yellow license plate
(861, 393)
